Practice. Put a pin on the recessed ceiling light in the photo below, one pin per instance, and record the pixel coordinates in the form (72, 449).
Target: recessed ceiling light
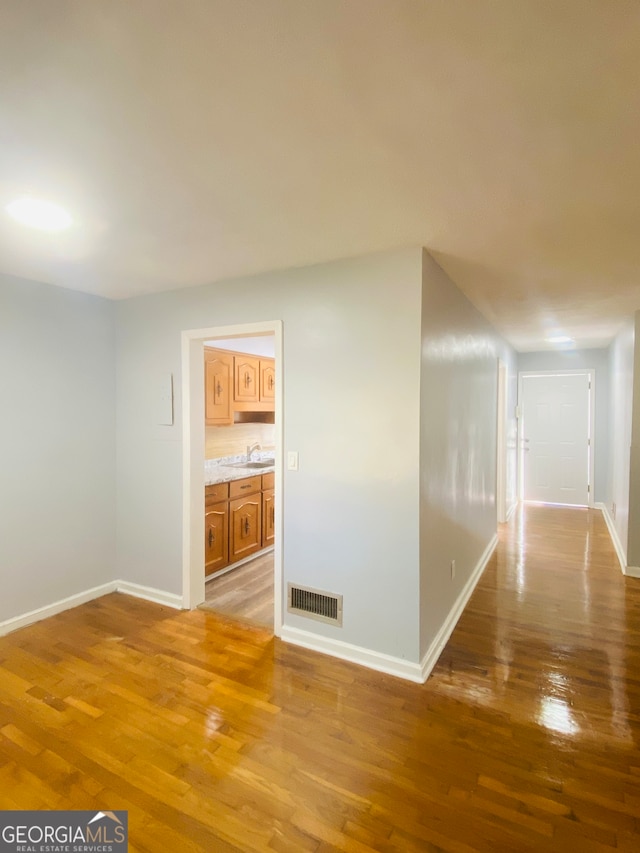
(37, 213)
(560, 339)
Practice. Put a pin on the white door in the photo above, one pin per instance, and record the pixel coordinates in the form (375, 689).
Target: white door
(555, 433)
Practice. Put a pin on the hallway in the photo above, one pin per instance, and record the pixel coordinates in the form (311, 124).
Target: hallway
(552, 633)
(217, 737)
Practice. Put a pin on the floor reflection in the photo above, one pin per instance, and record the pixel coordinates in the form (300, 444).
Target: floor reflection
(545, 635)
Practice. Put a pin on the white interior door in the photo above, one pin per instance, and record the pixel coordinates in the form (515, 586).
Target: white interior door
(555, 437)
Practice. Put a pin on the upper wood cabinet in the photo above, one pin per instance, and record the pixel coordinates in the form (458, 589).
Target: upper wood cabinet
(267, 380)
(218, 369)
(237, 382)
(246, 383)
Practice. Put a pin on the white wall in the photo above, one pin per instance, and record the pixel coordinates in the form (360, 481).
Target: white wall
(458, 399)
(621, 356)
(263, 345)
(380, 505)
(57, 487)
(598, 360)
(351, 409)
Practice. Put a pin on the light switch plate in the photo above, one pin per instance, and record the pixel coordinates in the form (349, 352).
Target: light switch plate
(292, 460)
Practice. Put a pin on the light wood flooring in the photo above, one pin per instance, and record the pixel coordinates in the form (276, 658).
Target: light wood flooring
(245, 592)
(218, 738)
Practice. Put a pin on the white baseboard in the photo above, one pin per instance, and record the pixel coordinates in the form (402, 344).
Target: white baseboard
(512, 509)
(355, 654)
(418, 672)
(632, 571)
(57, 607)
(615, 539)
(157, 596)
(435, 649)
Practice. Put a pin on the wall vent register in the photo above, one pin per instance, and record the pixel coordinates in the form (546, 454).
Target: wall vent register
(315, 604)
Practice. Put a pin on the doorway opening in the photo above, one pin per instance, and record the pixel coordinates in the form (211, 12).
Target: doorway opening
(556, 437)
(198, 444)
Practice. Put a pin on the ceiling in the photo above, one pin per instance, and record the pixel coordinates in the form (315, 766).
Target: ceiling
(194, 140)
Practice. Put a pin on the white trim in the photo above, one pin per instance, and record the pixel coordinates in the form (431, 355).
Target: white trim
(632, 571)
(591, 373)
(354, 654)
(442, 637)
(157, 596)
(417, 672)
(57, 607)
(193, 591)
(512, 509)
(613, 533)
(501, 444)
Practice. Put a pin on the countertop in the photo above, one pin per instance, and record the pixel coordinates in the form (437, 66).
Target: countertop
(218, 470)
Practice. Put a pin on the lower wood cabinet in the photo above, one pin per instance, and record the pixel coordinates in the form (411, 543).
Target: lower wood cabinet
(216, 538)
(238, 520)
(245, 515)
(216, 528)
(268, 518)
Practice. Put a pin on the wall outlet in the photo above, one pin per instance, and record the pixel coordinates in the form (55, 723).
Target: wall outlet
(453, 569)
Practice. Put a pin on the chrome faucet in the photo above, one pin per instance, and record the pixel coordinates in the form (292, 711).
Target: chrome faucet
(250, 449)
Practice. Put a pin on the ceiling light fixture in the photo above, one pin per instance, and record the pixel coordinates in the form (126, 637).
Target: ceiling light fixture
(37, 213)
(560, 339)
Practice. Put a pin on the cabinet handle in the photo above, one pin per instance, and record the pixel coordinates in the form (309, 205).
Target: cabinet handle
(218, 389)
(270, 382)
(246, 525)
(211, 537)
(247, 381)
(248, 486)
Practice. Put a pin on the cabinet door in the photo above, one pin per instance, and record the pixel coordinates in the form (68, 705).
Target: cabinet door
(216, 538)
(246, 379)
(267, 380)
(245, 517)
(217, 388)
(268, 518)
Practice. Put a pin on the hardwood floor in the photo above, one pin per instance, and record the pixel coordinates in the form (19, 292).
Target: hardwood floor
(218, 738)
(245, 593)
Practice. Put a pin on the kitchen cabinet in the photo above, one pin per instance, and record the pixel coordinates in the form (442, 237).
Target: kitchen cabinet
(245, 517)
(268, 518)
(216, 538)
(218, 372)
(268, 509)
(237, 383)
(216, 528)
(246, 379)
(239, 520)
(267, 380)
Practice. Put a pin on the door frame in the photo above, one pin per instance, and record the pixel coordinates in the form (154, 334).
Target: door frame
(591, 373)
(193, 457)
(501, 444)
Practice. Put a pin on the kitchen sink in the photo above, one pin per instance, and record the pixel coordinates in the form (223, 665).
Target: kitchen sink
(265, 463)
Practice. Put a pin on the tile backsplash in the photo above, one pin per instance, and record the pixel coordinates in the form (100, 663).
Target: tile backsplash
(229, 440)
